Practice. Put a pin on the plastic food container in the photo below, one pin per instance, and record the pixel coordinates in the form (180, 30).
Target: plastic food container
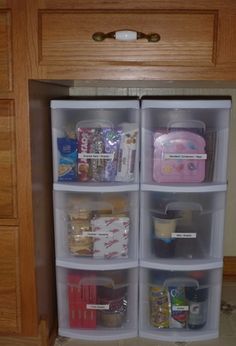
(179, 157)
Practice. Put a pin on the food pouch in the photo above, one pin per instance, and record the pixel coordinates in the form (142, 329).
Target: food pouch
(67, 170)
(104, 153)
(178, 307)
(159, 306)
(84, 136)
(127, 156)
(79, 243)
(98, 153)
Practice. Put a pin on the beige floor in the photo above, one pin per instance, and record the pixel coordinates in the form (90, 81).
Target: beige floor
(227, 328)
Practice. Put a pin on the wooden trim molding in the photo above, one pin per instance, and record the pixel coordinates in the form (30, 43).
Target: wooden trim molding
(229, 268)
(42, 339)
(5, 51)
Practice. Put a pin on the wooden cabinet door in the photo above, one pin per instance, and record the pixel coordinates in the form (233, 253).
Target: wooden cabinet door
(9, 281)
(5, 50)
(7, 161)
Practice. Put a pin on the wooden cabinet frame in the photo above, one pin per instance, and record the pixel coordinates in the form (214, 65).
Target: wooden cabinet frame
(30, 80)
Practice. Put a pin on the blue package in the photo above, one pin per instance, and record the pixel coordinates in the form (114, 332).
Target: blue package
(67, 165)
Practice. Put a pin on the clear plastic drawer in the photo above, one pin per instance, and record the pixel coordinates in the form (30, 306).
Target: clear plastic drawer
(184, 141)
(181, 226)
(181, 305)
(95, 141)
(97, 305)
(96, 228)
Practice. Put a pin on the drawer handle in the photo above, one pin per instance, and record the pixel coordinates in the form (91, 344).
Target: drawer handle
(126, 35)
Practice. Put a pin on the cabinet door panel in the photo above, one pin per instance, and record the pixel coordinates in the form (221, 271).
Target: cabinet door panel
(187, 37)
(7, 160)
(9, 282)
(227, 39)
(5, 51)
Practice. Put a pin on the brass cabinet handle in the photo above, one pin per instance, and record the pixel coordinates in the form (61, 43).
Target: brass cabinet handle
(126, 35)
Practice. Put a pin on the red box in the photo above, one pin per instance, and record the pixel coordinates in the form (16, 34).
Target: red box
(81, 292)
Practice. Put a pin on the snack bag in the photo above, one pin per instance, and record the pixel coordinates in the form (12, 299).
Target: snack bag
(111, 235)
(80, 244)
(67, 167)
(159, 306)
(127, 156)
(98, 153)
(105, 145)
(178, 307)
(84, 147)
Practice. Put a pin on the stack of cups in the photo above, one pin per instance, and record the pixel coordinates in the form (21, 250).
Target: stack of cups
(164, 242)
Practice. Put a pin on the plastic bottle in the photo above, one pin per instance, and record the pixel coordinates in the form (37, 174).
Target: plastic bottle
(197, 298)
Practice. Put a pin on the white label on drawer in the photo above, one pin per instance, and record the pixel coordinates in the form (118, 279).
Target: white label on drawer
(96, 156)
(97, 306)
(180, 308)
(183, 235)
(182, 156)
(97, 234)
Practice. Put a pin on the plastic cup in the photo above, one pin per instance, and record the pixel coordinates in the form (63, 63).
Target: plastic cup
(164, 227)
